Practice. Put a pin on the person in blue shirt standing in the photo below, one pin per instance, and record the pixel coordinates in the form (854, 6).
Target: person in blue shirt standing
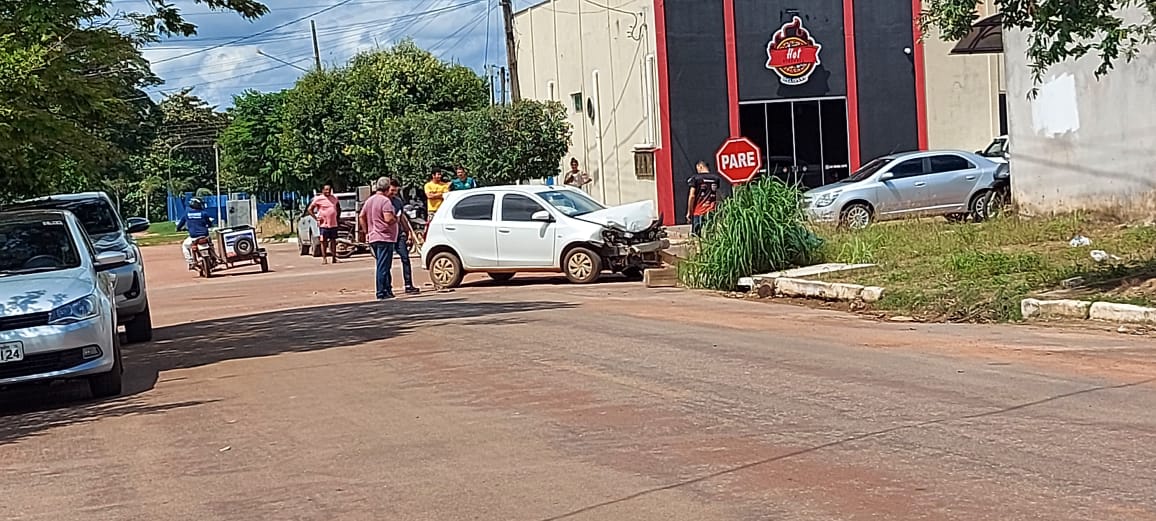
(197, 222)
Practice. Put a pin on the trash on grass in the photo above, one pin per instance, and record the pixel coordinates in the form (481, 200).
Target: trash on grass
(1103, 256)
(1079, 241)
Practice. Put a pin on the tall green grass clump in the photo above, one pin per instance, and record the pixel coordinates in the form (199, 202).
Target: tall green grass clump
(758, 229)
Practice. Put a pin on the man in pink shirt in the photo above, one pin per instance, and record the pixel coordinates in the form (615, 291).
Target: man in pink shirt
(326, 209)
(379, 219)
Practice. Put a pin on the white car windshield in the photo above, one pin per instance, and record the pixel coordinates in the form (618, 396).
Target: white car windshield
(34, 245)
(570, 202)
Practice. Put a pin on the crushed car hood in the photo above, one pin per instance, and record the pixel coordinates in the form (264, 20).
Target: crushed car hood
(633, 217)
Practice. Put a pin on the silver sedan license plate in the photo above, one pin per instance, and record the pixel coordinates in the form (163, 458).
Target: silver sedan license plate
(11, 352)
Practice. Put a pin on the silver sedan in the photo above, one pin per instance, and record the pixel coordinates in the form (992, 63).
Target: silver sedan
(949, 183)
(57, 303)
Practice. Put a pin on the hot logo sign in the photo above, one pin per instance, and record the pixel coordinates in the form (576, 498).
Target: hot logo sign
(792, 53)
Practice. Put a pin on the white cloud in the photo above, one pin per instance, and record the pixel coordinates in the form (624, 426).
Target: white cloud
(452, 29)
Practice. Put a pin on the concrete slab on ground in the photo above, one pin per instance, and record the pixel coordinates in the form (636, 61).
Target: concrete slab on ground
(810, 271)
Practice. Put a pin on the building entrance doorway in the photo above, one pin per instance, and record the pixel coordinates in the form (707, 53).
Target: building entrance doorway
(803, 141)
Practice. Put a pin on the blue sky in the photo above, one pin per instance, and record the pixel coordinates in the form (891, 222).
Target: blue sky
(218, 66)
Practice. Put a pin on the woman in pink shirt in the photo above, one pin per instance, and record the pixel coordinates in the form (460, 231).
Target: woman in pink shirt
(326, 209)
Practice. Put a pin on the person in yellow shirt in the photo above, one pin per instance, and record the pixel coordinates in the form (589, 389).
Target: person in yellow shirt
(435, 191)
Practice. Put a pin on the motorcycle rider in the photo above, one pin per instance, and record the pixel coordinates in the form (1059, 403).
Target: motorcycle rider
(197, 222)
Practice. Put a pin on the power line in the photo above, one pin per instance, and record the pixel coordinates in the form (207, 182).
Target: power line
(297, 58)
(266, 31)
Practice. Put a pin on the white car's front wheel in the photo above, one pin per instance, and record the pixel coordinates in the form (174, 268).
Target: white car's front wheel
(582, 266)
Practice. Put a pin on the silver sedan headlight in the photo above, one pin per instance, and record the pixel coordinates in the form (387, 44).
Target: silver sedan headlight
(827, 199)
(75, 311)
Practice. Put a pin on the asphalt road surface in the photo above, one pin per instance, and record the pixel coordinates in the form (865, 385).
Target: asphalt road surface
(290, 396)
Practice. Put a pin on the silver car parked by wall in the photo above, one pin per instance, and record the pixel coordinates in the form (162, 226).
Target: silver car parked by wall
(57, 303)
(949, 183)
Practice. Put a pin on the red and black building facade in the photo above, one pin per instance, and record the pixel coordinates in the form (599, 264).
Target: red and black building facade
(819, 85)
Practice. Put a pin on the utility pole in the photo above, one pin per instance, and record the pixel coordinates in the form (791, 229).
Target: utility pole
(511, 51)
(316, 49)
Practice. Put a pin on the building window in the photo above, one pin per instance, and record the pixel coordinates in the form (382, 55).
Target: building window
(644, 164)
(576, 101)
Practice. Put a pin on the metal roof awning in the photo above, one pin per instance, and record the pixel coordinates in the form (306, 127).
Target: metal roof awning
(986, 37)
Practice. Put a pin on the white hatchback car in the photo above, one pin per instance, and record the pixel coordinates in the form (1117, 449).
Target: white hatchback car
(504, 230)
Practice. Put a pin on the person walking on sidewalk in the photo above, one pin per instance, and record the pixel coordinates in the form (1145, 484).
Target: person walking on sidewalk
(405, 237)
(380, 219)
(703, 199)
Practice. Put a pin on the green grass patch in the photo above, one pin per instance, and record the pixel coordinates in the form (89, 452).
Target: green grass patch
(979, 272)
(761, 227)
(161, 233)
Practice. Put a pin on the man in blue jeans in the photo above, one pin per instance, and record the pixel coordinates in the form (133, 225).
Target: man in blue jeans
(405, 236)
(379, 219)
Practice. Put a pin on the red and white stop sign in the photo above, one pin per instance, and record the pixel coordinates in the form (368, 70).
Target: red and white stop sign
(738, 160)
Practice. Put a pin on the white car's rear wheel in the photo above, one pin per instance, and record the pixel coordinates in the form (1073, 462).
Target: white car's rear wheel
(445, 270)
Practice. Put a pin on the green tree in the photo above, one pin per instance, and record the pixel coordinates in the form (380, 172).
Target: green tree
(380, 86)
(71, 78)
(1059, 30)
(185, 141)
(251, 153)
(499, 145)
(315, 132)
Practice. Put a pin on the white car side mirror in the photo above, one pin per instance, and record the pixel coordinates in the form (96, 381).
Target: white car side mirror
(887, 176)
(542, 216)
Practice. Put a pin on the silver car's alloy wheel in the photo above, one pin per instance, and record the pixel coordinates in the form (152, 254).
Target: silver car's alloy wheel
(443, 271)
(857, 218)
(580, 265)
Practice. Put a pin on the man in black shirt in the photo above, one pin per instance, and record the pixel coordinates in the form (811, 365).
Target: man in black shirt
(703, 200)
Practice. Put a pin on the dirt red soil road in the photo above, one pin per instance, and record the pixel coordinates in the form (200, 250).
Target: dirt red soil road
(290, 395)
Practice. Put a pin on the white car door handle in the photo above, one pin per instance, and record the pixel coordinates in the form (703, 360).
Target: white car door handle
(451, 228)
(920, 184)
(503, 230)
(970, 178)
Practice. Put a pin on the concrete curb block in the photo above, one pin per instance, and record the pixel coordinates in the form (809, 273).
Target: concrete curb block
(1034, 308)
(814, 289)
(1084, 310)
(1124, 313)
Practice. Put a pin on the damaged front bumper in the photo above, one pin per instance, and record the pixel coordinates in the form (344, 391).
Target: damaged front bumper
(642, 255)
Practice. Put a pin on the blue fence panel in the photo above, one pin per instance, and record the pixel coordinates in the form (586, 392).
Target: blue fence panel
(177, 204)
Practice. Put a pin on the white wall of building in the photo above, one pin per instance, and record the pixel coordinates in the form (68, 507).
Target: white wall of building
(560, 46)
(1083, 142)
(962, 93)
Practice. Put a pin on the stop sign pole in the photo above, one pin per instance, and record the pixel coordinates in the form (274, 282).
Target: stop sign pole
(738, 160)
